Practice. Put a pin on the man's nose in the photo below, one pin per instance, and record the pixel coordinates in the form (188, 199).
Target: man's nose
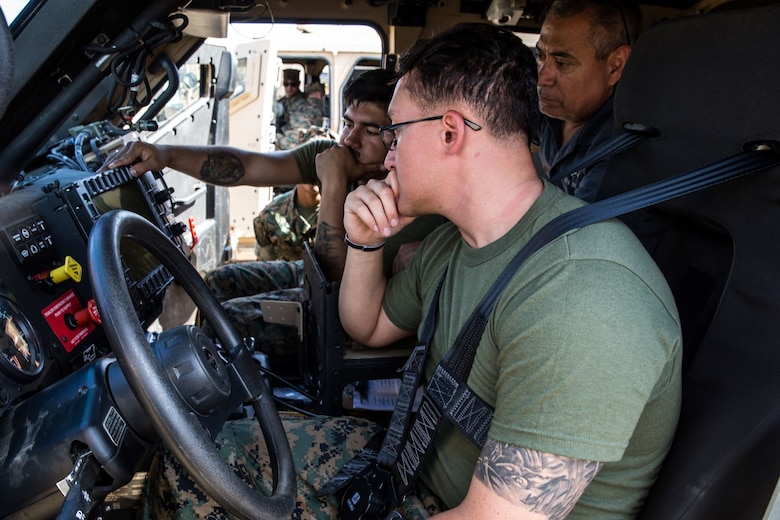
(546, 77)
(390, 160)
(349, 138)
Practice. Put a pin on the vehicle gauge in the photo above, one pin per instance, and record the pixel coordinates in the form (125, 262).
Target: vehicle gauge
(21, 353)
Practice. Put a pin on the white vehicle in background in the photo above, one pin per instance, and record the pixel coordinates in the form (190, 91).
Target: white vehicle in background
(327, 54)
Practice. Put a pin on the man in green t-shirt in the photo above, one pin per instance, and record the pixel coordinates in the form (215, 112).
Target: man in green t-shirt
(580, 357)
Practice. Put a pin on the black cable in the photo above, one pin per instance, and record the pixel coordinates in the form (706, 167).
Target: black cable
(286, 382)
(128, 66)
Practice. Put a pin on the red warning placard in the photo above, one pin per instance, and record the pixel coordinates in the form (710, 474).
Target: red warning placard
(55, 315)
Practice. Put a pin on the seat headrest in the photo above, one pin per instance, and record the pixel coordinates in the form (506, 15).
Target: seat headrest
(708, 83)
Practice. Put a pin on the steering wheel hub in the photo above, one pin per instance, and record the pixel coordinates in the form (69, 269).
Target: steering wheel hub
(194, 367)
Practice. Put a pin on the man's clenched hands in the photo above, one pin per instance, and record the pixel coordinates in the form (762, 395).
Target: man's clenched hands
(338, 164)
(371, 214)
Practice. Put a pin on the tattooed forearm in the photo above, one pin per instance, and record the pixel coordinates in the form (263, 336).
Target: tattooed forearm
(222, 168)
(545, 483)
(330, 250)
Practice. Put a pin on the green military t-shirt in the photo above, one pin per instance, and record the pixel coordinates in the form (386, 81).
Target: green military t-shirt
(306, 155)
(580, 357)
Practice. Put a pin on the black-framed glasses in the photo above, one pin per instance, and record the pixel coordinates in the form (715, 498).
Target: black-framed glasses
(291, 83)
(387, 133)
(625, 25)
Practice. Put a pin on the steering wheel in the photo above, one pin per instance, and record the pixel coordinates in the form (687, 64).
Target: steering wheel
(181, 431)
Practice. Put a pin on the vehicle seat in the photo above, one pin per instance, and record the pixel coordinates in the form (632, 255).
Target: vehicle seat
(709, 84)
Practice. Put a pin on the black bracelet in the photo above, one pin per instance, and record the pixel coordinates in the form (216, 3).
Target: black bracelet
(362, 247)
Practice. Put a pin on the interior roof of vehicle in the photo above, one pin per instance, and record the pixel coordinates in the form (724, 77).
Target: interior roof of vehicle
(46, 62)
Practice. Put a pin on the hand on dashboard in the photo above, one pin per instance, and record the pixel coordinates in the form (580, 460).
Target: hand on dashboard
(139, 156)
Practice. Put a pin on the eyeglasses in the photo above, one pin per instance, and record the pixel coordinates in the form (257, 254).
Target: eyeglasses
(291, 83)
(387, 133)
(625, 25)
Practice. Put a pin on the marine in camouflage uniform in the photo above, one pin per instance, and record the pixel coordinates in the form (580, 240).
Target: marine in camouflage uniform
(320, 447)
(280, 230)
(285, 106)
(301, 113)
(282, 226)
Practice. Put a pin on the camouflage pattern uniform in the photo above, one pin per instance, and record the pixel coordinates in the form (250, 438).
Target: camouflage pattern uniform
(320, 447)
(241, 287)
(281, 109)
(301, 113)
(280, 229)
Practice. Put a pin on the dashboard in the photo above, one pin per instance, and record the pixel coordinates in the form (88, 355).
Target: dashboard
(48, 318)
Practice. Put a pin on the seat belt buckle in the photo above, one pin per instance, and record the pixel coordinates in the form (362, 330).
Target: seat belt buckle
(369, 497)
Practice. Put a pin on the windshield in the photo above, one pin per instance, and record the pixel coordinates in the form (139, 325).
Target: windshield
(11, 8)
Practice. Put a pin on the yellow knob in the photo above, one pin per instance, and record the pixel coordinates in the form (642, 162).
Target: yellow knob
(71, 269)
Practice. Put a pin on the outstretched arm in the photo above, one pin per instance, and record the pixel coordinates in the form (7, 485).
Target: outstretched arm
(514, 482)
(222, 165)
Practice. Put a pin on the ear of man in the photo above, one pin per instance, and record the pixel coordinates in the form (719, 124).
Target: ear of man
(616, 62)
(454, 132)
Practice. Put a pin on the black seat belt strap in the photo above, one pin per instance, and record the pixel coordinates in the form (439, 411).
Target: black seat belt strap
(410, 381)
(464, 408)
(732, 167)
(631, 135)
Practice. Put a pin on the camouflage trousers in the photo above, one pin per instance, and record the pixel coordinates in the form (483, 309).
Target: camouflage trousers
(240, 287)
(320, 447)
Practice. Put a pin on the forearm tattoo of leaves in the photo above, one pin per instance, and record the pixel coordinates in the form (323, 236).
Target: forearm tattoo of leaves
(545, 483)
(222, 168)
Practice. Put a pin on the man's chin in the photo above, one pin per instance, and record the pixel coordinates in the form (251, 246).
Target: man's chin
(406, 209)
(550, 109)
(362, 159)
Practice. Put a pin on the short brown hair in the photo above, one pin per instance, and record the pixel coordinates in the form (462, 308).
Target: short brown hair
(614, 22)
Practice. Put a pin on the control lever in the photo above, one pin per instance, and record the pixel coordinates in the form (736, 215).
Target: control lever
(69, 270)
(77, 488)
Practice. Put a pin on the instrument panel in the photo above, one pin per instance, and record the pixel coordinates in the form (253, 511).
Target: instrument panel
(49, 320)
